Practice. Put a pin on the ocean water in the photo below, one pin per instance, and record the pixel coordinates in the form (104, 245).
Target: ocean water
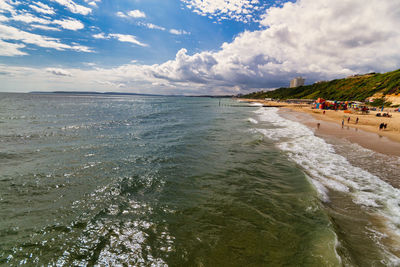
(181, 181)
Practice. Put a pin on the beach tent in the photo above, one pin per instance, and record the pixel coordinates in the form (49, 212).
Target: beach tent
(320, 103)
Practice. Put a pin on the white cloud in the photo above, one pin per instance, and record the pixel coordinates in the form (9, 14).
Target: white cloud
(133, 13)
(13, 39)
(100, 36)
(111, 84)
(121, 14)
(120, 37)
(43, 27)
(73, 7)
(59, 72)
(178, 32)
(127, 38)
(70, 24)
(157, 27)
(151, 26)
(6, 7)
(14, 34)
(9, 49)
(96, 79)
(239, 10)
(136, 14)
(140, 14)
(4, 18)
(42, 8)
(93, 4)
(29, 18)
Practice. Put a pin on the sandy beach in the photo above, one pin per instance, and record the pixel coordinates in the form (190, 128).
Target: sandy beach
(365, 133)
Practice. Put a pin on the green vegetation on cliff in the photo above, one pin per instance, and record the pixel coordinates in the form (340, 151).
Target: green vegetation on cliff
(353, 88)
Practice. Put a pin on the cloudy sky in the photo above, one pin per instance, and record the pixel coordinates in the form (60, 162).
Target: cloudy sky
(192, 46)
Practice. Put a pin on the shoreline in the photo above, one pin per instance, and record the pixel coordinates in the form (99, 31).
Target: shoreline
(364, 133)
(371, 171)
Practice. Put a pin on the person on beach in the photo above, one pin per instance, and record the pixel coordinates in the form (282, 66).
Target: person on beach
(323, 112)
(318, 124)
(357, 120)
(348, 120)
(384, 126)
(342, 123)
(381, 126)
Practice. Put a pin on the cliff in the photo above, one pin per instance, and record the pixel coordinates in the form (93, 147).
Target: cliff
(384, 86)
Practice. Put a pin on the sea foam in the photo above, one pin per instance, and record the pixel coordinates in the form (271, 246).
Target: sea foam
(252, 120)
(328, 170)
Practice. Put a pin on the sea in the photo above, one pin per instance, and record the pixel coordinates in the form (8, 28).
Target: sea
(105, 180)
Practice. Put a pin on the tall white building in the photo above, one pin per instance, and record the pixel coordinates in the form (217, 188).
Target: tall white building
(297, 82)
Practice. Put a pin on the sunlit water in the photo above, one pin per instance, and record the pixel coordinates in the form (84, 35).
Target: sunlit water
(90, 180)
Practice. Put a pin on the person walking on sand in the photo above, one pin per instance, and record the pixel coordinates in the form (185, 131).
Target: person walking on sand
(357, 120)
(381, 126)
(342, 123)
(348, 120)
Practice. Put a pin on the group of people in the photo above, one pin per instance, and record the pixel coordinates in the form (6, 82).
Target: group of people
(383, 115)
(382, 126)
(348, 121)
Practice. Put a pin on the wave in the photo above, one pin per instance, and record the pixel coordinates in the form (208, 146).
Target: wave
(256, 104)
(330, 171)
(252, 120)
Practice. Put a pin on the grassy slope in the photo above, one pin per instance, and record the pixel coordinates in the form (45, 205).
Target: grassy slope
(342, 89)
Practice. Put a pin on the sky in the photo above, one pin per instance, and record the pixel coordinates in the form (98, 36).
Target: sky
(192, 47)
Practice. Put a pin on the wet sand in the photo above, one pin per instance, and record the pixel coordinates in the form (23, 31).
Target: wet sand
(369, 140)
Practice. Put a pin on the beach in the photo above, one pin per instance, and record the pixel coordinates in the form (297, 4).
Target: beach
(354, 168)
(354, 172)
(365, 133)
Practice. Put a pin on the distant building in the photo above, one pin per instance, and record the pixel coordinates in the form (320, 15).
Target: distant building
(297, 82)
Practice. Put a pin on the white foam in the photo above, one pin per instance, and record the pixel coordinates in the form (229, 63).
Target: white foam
(330, 170)
(256, 104)
(252, 120)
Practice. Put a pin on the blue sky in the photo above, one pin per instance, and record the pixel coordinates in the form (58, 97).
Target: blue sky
(190, 46)
(163, 27)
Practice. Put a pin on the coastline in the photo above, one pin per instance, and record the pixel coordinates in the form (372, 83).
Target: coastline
(354, 172)
(366, 132)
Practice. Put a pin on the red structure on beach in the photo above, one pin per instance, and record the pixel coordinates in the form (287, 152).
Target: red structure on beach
(321, 103)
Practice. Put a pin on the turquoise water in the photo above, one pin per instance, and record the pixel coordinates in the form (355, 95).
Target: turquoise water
(91, 180)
